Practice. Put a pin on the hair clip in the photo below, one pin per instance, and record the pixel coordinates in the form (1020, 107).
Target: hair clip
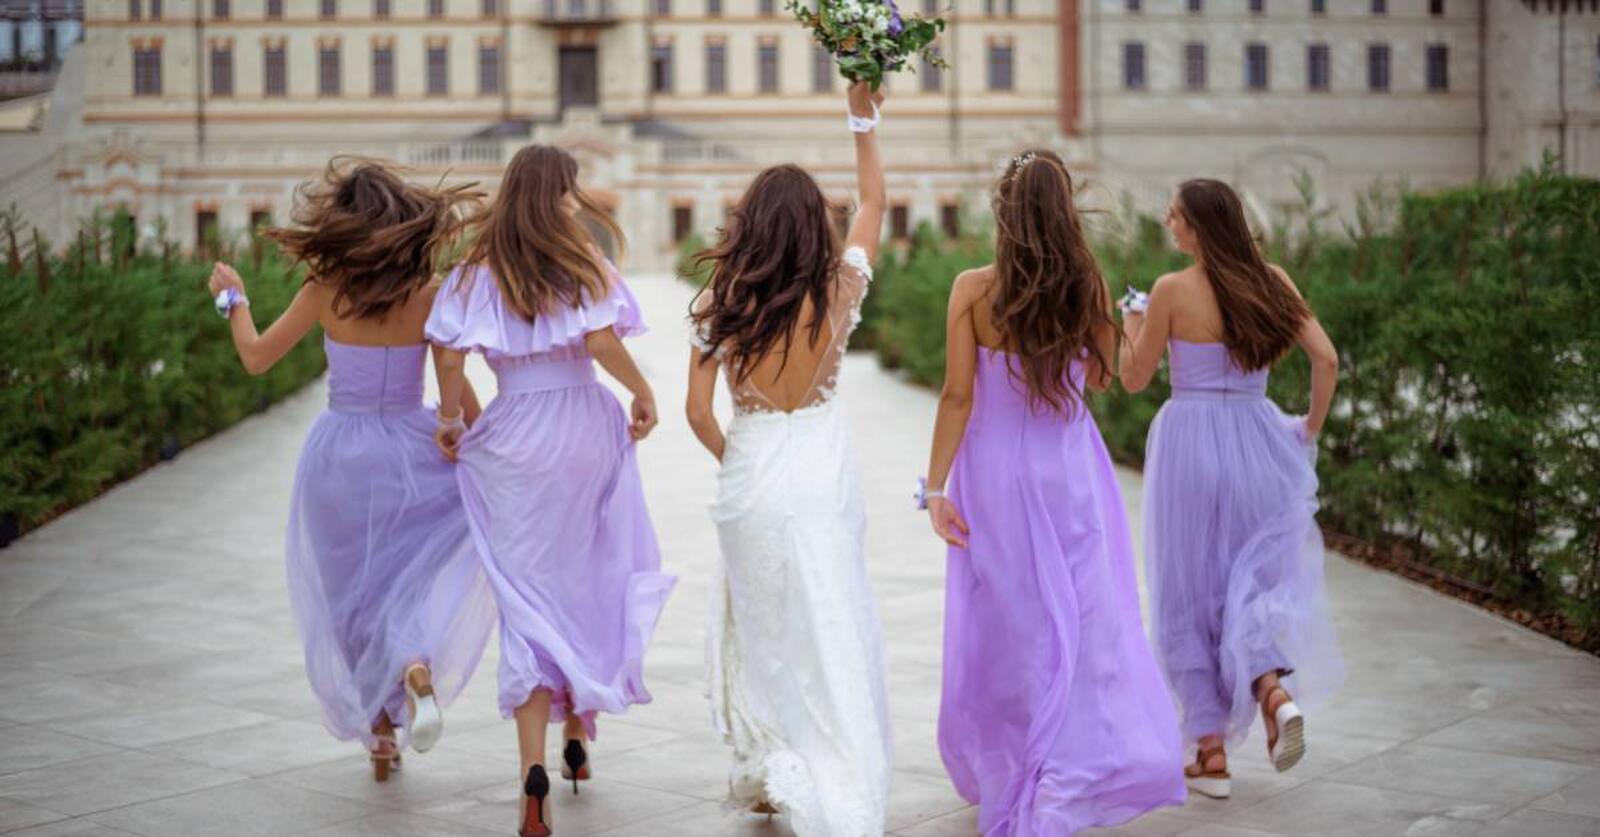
(1022, 159)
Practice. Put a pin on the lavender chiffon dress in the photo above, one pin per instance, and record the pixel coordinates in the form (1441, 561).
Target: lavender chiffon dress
(381, 568)
(1054, 716)
(1233, 555)
(554, 500)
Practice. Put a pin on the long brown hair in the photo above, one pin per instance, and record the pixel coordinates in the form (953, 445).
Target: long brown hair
(539, 253)
(371, 236)
(1261, 314)
(1048, 297)
(778, 250)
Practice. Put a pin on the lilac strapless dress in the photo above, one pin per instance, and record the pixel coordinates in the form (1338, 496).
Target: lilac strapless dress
(554, 499)
(1054, 716)
(382, 572)
(1233, 555)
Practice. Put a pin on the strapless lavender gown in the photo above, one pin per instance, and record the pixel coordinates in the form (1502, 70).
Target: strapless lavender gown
(1233, 555)
(382, 572)
(555, 502)
(1054, 717)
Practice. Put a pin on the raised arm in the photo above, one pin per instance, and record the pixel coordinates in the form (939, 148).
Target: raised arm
(1146, 341)
(955, 406)
(257, 351)
(867, 229)
(608, 351)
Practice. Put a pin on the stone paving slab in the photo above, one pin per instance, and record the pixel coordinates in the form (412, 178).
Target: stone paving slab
(150, 676)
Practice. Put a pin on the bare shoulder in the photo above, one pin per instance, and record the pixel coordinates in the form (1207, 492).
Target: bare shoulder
(1172, 284)
(972, 285)
(702, 300)
(1283, 275)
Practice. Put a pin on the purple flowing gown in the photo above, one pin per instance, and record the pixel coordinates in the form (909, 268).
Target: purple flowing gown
(554, 500)
(1054, 717)
(1233, 555)
(382, 572)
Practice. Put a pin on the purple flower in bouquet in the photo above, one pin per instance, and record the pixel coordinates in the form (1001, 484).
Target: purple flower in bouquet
(896, 25)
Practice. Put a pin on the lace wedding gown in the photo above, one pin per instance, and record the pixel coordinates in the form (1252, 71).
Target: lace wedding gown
(795, 652)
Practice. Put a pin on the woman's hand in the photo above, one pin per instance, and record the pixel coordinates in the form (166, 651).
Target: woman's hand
(448, 435)
(224, 276)
(947, 522)
(863, 101)
(644, 418)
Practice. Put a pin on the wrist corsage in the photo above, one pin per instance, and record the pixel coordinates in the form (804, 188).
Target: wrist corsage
(229, 299)
(924, 494)
(1134, 301)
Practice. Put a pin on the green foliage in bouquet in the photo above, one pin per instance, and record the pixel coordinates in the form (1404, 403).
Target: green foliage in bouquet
(869, 38)
(1466, 428)
(114, 359)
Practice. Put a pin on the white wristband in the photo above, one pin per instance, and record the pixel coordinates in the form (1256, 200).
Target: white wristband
(864, 124)
(455, 422)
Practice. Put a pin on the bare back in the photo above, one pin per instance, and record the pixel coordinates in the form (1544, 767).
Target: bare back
(401, 326)
(1196, 317)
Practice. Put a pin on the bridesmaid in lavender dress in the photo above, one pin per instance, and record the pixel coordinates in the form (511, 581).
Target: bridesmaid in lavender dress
(1054, 718)
(548, 473)
(1233, 555)
(390, 597)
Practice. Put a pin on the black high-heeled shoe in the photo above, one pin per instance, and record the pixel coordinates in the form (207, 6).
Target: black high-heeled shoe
(575, 763)
(534, 789)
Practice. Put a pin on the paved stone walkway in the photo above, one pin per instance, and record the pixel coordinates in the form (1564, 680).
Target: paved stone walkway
(150, 677)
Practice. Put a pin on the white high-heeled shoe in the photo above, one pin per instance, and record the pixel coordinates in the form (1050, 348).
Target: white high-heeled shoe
(426, 722)
(1290, 745)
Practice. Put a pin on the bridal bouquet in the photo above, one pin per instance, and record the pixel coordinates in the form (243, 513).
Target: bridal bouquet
(868, 38)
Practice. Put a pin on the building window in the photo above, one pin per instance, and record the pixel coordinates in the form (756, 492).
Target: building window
(1436, 8)
(329, 9)
(1194, 66)
(488, 69)
(716, 68)
(766, 8)
(222, 71)
(1318, 69)
(999, 66)
(147, 71)
(932, 74)
(438, 70)
(682, 222)
(206, 237)
(713, 8)
(1133, 66)
(220, 9)
(328, 70)
(1438, 68)
(821, 70)
(274, 73)
(135, 10)
(1196, 6)
(260, 218)
(383, 70)
(661, 8)
(489, 8)
(1257, 75)
(1380, 7)
(988, 8)
(950, 219)
(899, 222)
(155, 9)
(274, 10)
(1258, 7)
(930, 8)
(435, 8)
(767, 68)
(1319, 7)
(1378, 68)
(381, 9)
(1134, 6)
(661, 68)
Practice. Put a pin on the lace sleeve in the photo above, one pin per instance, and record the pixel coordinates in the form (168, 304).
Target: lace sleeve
(855, 275)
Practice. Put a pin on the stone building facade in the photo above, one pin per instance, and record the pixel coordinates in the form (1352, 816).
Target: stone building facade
(206, 116)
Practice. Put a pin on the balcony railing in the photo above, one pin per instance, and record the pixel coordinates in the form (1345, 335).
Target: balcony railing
(571, 12)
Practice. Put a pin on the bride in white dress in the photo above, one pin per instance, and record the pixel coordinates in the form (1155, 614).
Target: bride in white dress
(795, 652)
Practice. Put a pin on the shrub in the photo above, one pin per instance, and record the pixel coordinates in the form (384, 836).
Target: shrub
(1467, 423)
(113, 360)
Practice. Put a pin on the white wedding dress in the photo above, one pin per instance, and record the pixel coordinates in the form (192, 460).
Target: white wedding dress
(795, 653)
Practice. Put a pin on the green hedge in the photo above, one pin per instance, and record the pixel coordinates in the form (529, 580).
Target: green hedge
(113, 359)
(1467, 424)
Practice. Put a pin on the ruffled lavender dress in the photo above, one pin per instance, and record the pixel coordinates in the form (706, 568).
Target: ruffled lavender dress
(1233, 555)
(554, 499)
(1054, 716)
(382, 572)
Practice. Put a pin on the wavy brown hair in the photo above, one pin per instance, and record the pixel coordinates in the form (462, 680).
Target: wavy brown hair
(1048, 298)
(1261, 314)
(371, 236)
(779, 250)
(541, 254)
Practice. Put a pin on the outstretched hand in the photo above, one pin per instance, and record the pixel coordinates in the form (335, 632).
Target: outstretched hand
(947, 522)
(224, 276)
(864, 101)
